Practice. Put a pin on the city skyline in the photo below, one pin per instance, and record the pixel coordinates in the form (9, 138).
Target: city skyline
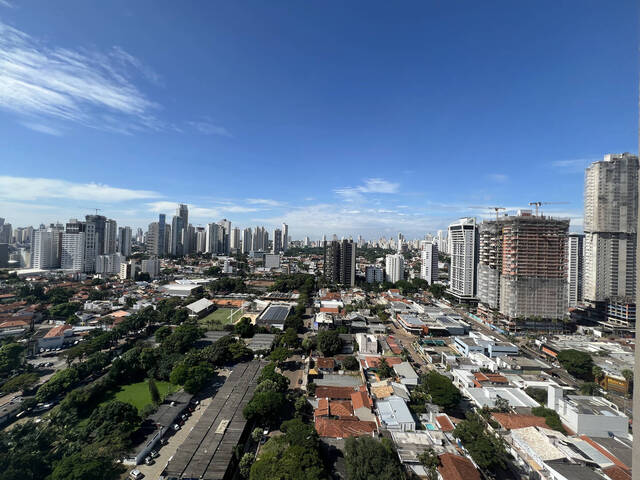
(213, 116)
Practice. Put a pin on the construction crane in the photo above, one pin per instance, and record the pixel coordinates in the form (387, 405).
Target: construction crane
(94, 208)
(539, 204)
(496, 209)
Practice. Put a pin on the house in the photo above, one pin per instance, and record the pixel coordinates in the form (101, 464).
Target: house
(406, 374)
(510, 421)
(363, 405)
(334, 393)
(325, 365)
(367, 343)
(200, 308)
(488, 396)
(344, 428)
(455, 467)
(395, 415)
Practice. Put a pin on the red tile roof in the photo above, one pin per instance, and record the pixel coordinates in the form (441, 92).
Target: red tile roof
(343, 428)
(510, 421)
(57, 331)
(361, 399)
(327, 363)
(340, 408)
(616, 473)
(330, 309)
(455, 467)
(445, 423)
(372, 362)
(334, 393)
(13, 324)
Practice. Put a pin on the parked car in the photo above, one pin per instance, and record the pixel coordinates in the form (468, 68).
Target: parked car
(154, 454)
(176, 427)
(149, 461)
(136, 474)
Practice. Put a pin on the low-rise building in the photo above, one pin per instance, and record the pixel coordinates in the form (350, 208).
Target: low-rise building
(395, 415)
(367, 343)
(200, 308)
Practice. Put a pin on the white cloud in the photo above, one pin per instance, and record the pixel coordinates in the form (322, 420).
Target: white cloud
(371, 185)
(24, 188)
(576, 165)
(77, 85)
(497, 177)
(265, 201)
(6, 3)
(208, 128)
(39, 127)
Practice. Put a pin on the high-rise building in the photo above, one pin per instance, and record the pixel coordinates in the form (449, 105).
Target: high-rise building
(109, 264)
(124, 241)
(340, 262)
(374, 274)
(215, 239)
(99, 222)
(5, 232)
(285, 237)
(429, 263)
(151, 266)
(177, 226)
(394, 267)
(235, 240)
(4, 255)
(46, 248)
(575, 268)
(246, 240)
(522, 268)
(610, 227)
(74, 249)
(201, 240)
(162, 244)
(277, 241)
(110, 237)
(463, 236)
(225, 245)
(307, 242)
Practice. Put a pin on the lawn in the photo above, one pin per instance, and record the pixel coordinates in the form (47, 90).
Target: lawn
(220, 317)
(137, 394)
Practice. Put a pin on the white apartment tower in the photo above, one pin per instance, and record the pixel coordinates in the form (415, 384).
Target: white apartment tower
(110, 237)
(74, 249)
(394, 267)
(46, 248)
(429, 265)
(463, 238)
(575, 268)
(610, 227)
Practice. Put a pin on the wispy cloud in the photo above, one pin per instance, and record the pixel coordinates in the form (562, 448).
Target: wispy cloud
(370, 185)
(497, 177)
(25, 188)
(6, 3)
(91, 88)
(39, 127)
(574, 165)
(208, 128)
(265, 201)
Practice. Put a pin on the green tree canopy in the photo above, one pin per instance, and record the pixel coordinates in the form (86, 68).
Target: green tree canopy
(368, 458)
(329, 343)
(577, 363)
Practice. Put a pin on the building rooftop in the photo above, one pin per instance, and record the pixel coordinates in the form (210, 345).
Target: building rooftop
(200, 305)
(455, 467)
(393, 411)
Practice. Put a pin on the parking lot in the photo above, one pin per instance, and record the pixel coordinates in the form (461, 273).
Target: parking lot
(167, 451)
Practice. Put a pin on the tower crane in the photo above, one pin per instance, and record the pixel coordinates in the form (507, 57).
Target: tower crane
(496, 209)
(539, 204)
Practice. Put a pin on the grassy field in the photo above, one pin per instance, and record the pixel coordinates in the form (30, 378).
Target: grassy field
(137, 394)
(220, 317)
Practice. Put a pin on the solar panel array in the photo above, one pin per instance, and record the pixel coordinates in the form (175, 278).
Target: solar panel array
(208, 449)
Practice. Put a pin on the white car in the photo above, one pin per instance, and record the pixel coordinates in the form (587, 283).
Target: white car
(136, 474)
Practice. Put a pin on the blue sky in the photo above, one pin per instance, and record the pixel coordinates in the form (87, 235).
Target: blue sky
(336, 117)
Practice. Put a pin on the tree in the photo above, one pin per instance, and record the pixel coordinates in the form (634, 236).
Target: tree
(430, 461)
(329, 343)
(244, 328)
(81, 466)
(163, 333)
(245, 464)
(279, 354)
(256, 434)
(350, 363)
(113, 418)
(265, 407)
(384, 370)
(10, 357)
(290, 338)
(597, 372)
(487, 451)
(538, 394)
(552, 419)
(443, 392)
(20, 382)
(368, 458)
(577, 363)
(153, 391)
(628, 375)
(589, 388)
(502, 405)
(308, 343)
